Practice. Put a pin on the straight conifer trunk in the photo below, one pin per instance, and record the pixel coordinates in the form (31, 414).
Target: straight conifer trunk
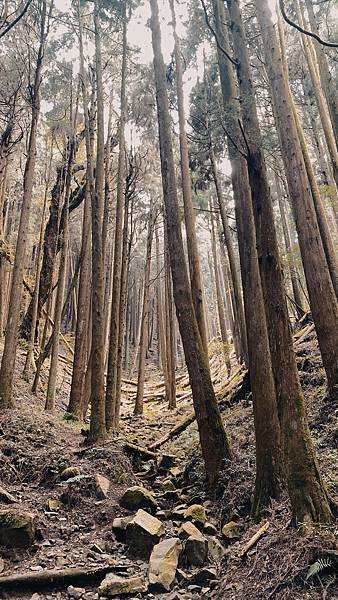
(214, 442)
(267, 432)
(306, 490)
(324, 307)
(97, 416)
(11, 338)
(138, 409)
(117, 270)
(75, 406)
(189, 216)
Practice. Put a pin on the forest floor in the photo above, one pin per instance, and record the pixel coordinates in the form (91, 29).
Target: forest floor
(76, 529)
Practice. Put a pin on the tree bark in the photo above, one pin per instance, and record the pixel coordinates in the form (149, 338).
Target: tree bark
(307, 493)
(97, 415)
(138, 409)
(232, 260)
(323, 307)
(297, 295)
(267, 433)
(116, 288)
(214, 442)
(9, 353)
(220, 305)
(75, 405)
(189, 215)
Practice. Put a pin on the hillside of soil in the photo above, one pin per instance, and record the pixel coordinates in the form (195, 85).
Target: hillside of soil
(76, 496)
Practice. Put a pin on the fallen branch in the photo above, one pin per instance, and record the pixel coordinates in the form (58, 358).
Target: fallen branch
(57, 578)
(134, 449)
(252, 541)
(173, 432)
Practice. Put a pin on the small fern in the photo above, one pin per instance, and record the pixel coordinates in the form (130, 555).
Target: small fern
(320, 565)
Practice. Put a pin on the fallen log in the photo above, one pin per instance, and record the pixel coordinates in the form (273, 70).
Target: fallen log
(58, 578)
(173, 432)
(305, 332)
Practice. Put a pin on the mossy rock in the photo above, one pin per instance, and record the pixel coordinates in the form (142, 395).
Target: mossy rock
(17, 529)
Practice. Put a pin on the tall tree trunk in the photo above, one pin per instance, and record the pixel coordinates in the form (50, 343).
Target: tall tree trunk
(126, 250)
(30, 352)
(169, 326)
(267, 433)
(297, 295)
(323, 109)
(116, 289)
(162, 335)
(75, 405)
(189, 216)
(51, 388)
(214, 442)
(220, 305)
(138, 409)
(232, 259)
(9, 353)
(326, 78)
(324, 308)
(97, 415)
(307, 493)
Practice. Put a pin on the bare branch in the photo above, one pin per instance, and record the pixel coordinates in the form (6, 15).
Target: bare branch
(304, 31)
(16, 20)
(219, 45)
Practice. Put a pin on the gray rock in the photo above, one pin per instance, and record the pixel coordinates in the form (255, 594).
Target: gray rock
(114, 585)
(17, 529)
(216, 549)
(120, 526)
(231, 531)
(196, 513)
(138, 497)
(196, 550)
(209, 529)
(205, 575)
(74, 592)
(142, 533)
(102, 485)
(163, 564)
(188, 529)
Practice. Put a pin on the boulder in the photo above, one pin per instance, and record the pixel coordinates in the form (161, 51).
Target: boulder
(163, 564)
(69, 473)
(196, 550)
(216, 549)
(120, 526)
(142, 533)
(188, 529)
(196, 513)
(138, 497)
(113, 585)
(102, 485)
(17, 529)
(231, 531)
(6, 497)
